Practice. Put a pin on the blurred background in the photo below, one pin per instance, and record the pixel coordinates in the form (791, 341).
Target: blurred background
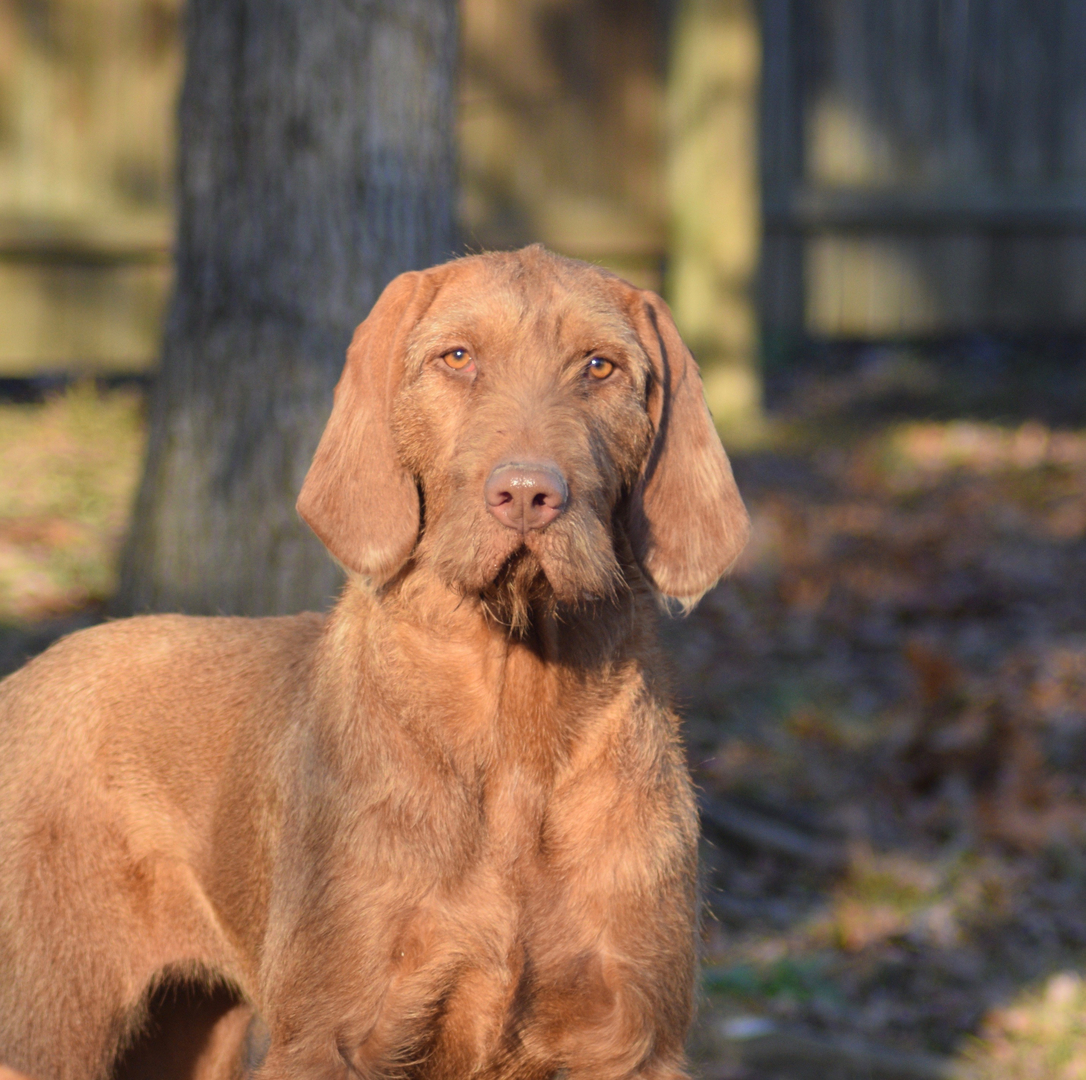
(869, 217)
(786, 172)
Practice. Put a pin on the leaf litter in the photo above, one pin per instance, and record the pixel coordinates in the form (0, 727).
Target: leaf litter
(897, 668)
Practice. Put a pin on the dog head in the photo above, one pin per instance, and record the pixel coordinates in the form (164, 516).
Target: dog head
(524, 423)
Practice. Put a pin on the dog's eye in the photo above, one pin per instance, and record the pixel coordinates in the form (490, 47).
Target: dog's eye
(458, 359)
(599, 368)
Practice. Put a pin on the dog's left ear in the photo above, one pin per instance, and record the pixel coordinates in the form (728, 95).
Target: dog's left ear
(688, 522)
(357, 496)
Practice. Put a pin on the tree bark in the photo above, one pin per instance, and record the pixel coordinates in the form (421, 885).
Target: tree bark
(316, 163)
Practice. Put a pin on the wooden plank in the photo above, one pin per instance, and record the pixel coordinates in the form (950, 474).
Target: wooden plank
(86, 166)
(940, 184)
(780, 277)
(76, 251)
(960, 209)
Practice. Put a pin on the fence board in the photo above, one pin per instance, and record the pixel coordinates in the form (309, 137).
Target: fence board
(86, 162)
(936, 175)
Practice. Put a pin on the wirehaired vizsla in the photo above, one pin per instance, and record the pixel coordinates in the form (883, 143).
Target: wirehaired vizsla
(445, 831)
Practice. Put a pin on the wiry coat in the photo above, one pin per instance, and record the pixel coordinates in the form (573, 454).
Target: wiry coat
(444, 832)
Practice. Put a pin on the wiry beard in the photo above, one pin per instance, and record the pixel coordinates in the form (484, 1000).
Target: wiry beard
(519, 594)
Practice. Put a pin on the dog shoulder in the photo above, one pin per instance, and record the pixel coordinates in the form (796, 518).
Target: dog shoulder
(153, 669)
(180, 643)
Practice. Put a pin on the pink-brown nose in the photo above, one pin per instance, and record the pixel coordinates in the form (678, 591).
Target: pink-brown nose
(525, 496)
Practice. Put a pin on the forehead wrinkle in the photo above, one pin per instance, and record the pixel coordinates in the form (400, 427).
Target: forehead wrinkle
(598, 328)
(557, 323)
(461, 320)
(515, 313)
(588, 314)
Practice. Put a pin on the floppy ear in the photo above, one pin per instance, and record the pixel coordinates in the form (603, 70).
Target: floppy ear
(688, 522)
(357, 496)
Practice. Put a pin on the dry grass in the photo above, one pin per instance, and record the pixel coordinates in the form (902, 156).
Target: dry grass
(68, 470)
(1040, 1036)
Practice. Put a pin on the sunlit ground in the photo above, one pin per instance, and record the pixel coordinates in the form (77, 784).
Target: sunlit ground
(68, 469)
(887, 702)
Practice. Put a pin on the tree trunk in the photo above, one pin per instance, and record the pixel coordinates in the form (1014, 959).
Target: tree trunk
(316, 162)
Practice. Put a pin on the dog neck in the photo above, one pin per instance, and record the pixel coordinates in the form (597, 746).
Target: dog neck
(591, 637)
(432, 653)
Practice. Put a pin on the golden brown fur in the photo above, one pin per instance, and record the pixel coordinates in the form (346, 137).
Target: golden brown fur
(444, 832)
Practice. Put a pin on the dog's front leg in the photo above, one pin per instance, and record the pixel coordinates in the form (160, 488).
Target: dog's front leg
(326, 1053)
(665, 1070)
(366, 1027)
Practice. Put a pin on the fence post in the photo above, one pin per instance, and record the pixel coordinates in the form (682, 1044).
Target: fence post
(712, 184)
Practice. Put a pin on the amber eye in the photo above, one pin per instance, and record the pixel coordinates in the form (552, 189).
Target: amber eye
(458, 359)
(599, 368)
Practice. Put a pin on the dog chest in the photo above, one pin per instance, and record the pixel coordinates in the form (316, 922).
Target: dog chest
(550, 947)
(493, 983)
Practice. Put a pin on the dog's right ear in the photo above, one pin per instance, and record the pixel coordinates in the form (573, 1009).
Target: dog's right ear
(357, 496)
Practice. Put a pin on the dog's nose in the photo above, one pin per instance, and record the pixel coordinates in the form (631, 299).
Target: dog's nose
(526, 496)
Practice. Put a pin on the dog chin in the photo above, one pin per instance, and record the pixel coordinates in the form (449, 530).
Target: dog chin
(519, 577)
(517, 591)
(530, 584)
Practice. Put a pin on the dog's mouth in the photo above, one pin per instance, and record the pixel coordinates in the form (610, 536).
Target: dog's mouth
(567, 566)
(536, 579)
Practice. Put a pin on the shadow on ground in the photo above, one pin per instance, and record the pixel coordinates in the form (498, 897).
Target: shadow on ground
(886, 713)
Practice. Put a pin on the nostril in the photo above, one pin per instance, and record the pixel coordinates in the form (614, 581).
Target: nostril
(526, 496)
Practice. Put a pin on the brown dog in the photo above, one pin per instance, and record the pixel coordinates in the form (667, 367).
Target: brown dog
(446, 831)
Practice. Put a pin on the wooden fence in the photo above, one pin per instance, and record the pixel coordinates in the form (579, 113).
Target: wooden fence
(923, 167)
(86, 162)
(562, 129)
(561, 133)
